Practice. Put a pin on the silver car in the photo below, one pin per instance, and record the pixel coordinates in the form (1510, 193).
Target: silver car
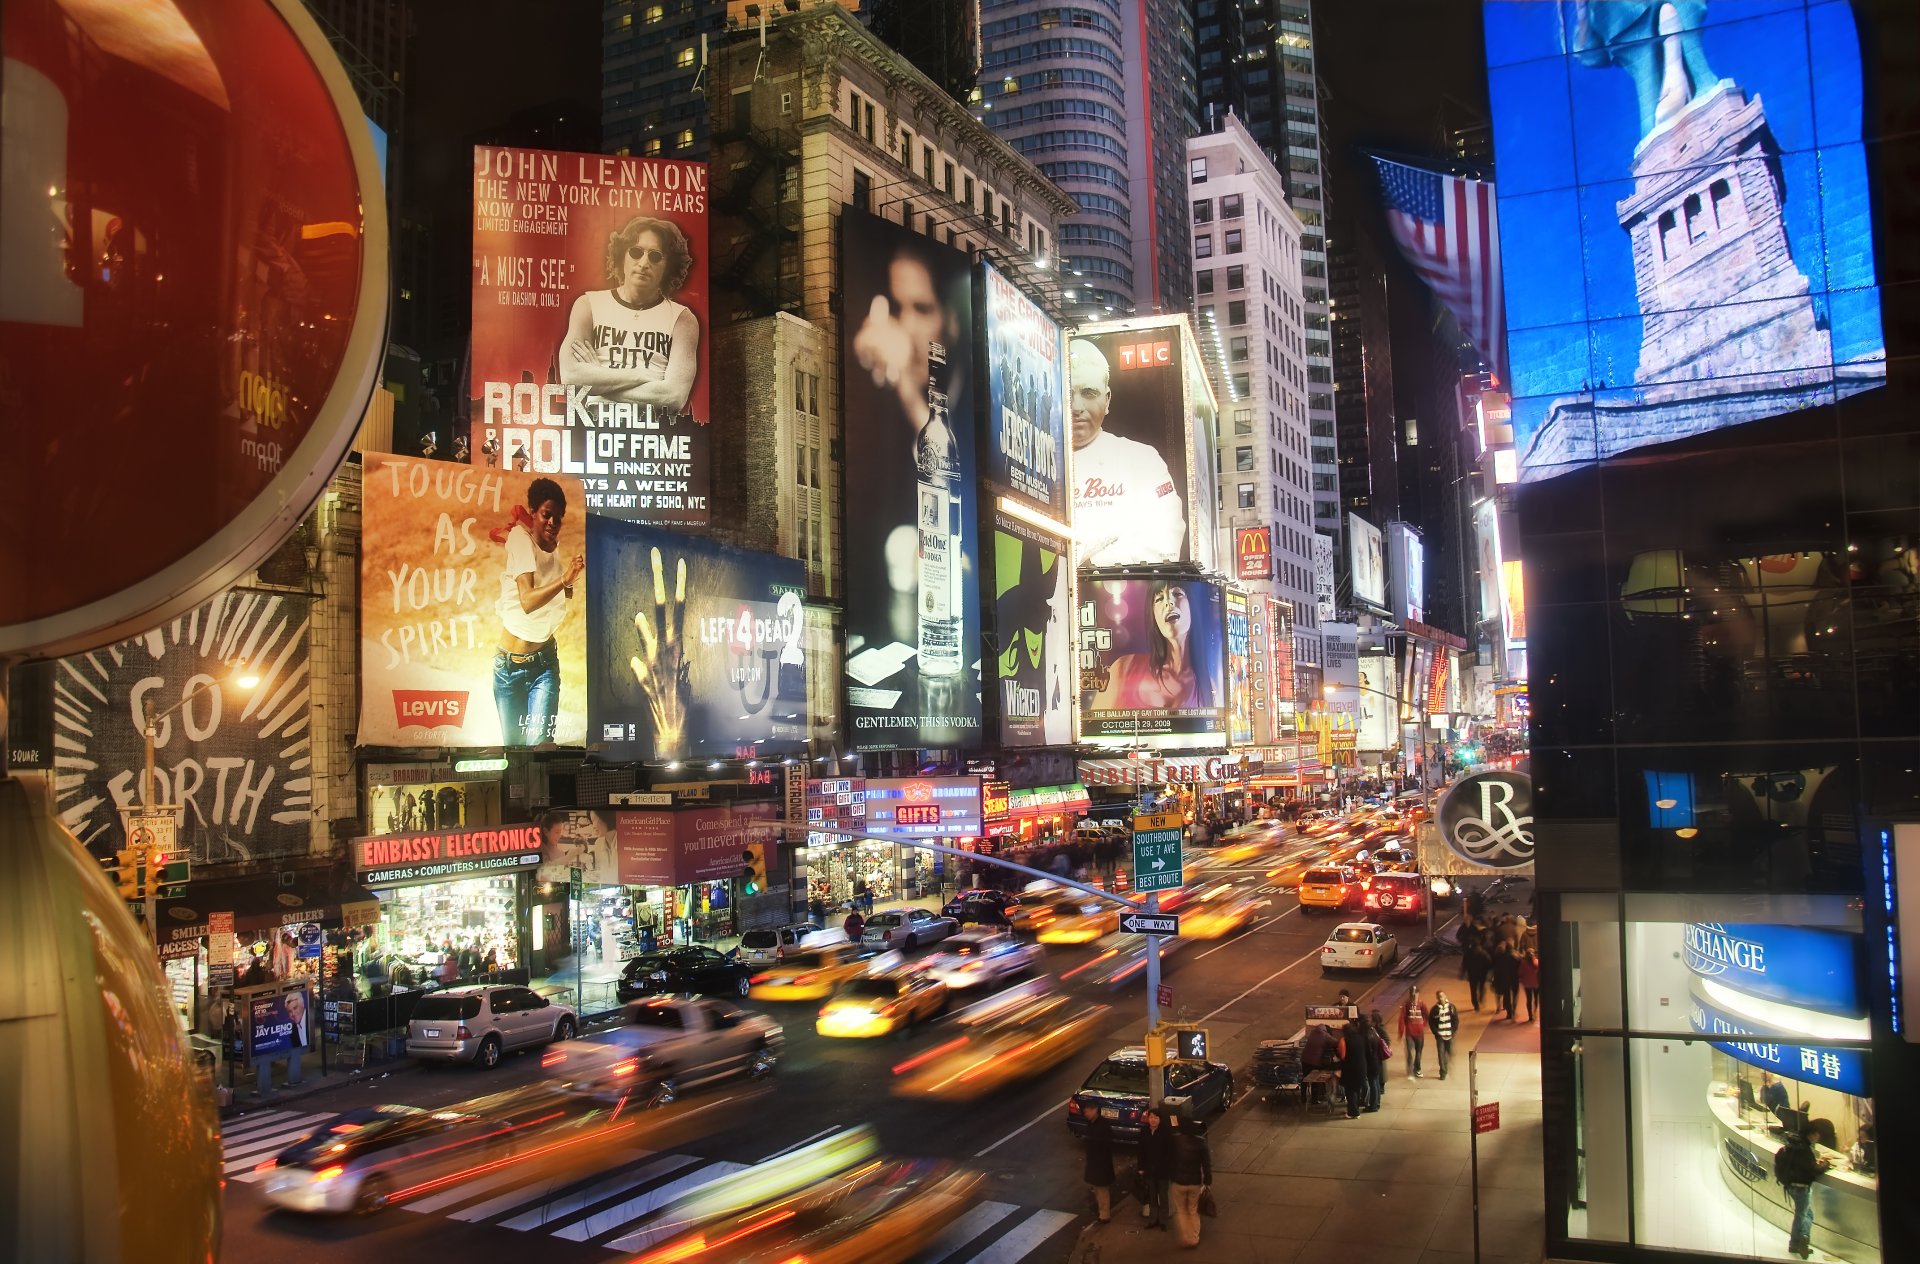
(975, 959)
(478, 1024)
(907, 928)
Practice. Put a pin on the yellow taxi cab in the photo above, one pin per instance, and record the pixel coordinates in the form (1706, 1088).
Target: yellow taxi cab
(810, 975)
(1327, 887)
(1217, 913)
(881, 1004)
(1007, 1045)
(1080, 923)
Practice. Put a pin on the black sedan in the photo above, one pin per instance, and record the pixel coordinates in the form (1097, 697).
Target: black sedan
(681, 970)
(1117, 1089)
(989, 908)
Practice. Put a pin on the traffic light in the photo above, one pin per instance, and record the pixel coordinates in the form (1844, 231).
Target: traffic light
(170, 874)
(130, 871)
(1190, 1044)
(755, 876)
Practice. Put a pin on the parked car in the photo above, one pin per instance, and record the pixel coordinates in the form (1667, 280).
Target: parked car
(668, 1045)
(1327, 887)
(990, 908)
(907, 928)
(478, 1024)
(881, 1004)
(976, 958)
(1117, 1090)
(688, 969)
(1359, 946)
(761, 947)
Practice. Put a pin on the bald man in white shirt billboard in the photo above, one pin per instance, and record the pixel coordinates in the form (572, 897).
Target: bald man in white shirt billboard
(1130, 477)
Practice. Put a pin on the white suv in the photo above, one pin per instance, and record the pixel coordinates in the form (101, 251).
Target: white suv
(974, 958)
(765, 947)
(478, 1024)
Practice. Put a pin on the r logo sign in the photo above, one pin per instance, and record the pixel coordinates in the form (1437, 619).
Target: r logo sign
(1488, 818)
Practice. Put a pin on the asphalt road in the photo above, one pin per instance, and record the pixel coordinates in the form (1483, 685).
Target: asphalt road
(1246, 988)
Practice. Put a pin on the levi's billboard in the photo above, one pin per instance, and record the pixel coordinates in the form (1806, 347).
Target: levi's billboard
(472, 627)
(436, 855)
(589, 314)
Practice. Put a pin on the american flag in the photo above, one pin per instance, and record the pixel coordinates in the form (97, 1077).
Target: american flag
(1449, 230)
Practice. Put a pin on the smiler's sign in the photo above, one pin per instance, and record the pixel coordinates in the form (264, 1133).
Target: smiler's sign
(401, 859)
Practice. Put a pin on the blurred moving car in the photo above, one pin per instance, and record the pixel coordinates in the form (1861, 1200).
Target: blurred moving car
(366, 1159)
(977, 958)
(1328, 887)
(1117, 1090)
(759, 947)
(987, 907)
(1121, 959)
(1002, 1042)
(678, 970)
(1359, 946)
(668, 1045)
(811, 976)
(478, 1024)
(907, 928)
(1395, 860)
(1041, 904)
(1080, 921)
(1218, 912)
(881, 1004)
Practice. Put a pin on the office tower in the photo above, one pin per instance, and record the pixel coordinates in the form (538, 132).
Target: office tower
(1250, 319)
(1102, 100)
(940, 37)
(1369, 479)
(652, 102)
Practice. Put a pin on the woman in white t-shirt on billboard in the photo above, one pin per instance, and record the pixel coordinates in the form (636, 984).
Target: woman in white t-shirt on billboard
(534, 590)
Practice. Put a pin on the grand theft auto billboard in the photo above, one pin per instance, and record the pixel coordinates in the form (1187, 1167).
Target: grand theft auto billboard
(590, 302)
(1152, 660)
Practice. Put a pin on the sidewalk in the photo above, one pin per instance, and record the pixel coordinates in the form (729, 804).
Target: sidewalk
(1391, 1187)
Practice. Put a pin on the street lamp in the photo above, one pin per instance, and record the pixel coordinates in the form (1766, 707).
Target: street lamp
(243, 679)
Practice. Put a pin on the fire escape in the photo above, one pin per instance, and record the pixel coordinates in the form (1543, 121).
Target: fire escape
(752, 195)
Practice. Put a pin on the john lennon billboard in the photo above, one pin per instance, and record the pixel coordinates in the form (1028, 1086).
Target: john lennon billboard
(1684, 218)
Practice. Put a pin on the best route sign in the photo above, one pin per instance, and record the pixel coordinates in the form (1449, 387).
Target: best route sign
(1156, 852)
(1150, 923)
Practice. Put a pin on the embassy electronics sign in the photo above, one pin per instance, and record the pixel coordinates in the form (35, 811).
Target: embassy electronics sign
(435, 856)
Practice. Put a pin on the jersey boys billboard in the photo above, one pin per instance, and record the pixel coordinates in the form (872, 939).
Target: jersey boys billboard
(1026, 393)
(1141, 411)
(1152, 662)
(696, 648)
(589, 326)
(913, 579)
(472, 588)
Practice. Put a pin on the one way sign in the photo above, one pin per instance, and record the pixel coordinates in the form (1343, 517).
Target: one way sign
(1150, 923)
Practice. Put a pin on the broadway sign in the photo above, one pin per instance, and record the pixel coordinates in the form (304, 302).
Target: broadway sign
(402, 859)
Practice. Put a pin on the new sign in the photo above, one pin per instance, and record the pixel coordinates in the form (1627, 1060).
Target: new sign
(1156, 853)
(1253, 552)
(1792, 964)
(403, 859)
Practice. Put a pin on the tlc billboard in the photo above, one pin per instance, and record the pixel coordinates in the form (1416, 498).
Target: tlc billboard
(589, 326)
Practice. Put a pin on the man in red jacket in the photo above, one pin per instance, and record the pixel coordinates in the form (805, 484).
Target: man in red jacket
(1413, 1030)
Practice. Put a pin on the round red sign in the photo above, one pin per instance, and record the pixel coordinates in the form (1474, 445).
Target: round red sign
(193, 302)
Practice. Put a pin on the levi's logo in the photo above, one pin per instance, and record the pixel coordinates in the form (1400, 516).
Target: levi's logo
(430, 708)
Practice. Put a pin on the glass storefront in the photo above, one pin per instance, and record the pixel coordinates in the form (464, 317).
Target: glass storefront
(474, 922)
(1707, 1030)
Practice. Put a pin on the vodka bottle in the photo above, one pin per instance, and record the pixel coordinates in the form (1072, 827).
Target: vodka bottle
(937, 501)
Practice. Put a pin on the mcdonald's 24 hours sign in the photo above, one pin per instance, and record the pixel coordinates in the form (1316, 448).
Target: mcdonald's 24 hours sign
(1253, 547)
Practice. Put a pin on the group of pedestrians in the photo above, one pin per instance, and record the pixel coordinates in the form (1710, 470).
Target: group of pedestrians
(1507, 953)
(1173, 1177)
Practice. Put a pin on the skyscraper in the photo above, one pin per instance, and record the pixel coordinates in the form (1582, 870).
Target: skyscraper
(1102, 100)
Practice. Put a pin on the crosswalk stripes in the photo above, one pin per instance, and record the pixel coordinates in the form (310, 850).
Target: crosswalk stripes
(613, 1206)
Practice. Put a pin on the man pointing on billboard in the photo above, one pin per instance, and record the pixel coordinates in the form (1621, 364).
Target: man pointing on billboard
(1126, 507)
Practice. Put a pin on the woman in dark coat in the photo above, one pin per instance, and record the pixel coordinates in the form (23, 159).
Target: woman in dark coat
(1356, 1058)
(1099, 1169)
(1506, 976)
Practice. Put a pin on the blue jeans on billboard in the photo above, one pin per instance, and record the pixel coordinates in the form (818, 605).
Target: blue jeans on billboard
(526, 689)
(1800, 1235)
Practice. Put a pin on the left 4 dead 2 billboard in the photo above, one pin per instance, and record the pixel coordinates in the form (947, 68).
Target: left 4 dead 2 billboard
(590, 304)
(473, 589)
(698, 649)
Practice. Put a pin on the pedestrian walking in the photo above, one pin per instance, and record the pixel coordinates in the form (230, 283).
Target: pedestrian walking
(1099, 1165)
(1529, 977)
(1155, 1151)
(1443, 1020)
(1356, 1038)
(1381, 1057)
(1189, 1173)
(1797, 1167)
(1477, 962)
(854, 926)
(1413, 1030)
(1506, 977)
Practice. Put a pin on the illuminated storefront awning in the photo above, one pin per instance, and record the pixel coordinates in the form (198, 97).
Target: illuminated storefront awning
(1048, 800)
(262, 903)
